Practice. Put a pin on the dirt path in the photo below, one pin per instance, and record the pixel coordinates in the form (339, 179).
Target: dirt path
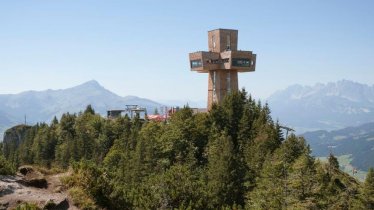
(12, 192)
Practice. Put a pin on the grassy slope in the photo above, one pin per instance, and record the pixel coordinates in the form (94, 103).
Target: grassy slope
(346, 166)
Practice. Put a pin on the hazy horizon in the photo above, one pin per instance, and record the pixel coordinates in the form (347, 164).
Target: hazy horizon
(171, 100)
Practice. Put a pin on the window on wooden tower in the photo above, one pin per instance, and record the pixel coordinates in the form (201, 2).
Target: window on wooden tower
(213, 42)
(241, 62)
(196, 63)
(228, 41)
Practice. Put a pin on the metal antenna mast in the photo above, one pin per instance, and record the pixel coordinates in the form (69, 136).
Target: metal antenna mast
(287, 129)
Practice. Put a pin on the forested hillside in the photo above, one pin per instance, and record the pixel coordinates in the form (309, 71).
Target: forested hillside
(233, 157)
(355, 142)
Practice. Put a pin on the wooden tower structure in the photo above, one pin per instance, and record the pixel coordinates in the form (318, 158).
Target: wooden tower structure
(222, 62)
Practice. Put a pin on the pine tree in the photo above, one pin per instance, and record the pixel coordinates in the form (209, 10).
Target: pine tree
(89, 110)
(5, 167)
(233, 105)
(224, 178)
(368, 189)
(44, 145)
(333, 163)
(270, 190)
(26, 155)
(218, 117)
(301, 183)
(66, 146)
(54, 122)
(245, 133)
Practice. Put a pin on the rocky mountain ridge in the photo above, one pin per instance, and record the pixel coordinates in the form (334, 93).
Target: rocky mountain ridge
(324, 106)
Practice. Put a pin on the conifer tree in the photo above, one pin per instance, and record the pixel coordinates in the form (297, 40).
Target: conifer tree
(302, 183)
(26, 155)
(368, 189)
(233, 105)
(54, 121)
(270, 190)
(44, 145)
(224, 184)
(89, 110)
(333, 163)
(5, 167)
(66, 146)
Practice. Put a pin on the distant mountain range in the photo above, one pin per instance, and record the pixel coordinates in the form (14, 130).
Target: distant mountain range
(42, 106)
(324, 106)
(357, 143)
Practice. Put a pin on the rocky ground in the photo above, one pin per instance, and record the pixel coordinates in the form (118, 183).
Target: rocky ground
(31, 186)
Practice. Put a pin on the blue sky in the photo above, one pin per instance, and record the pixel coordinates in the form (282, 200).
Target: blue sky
(141, 47)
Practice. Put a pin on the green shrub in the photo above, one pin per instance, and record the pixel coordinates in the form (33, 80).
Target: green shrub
(5, 167)
(81, 199)
(27, 206)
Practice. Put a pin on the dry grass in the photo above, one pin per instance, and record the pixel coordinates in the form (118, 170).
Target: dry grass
(81, 199)
(50, 171)
(27, 206)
